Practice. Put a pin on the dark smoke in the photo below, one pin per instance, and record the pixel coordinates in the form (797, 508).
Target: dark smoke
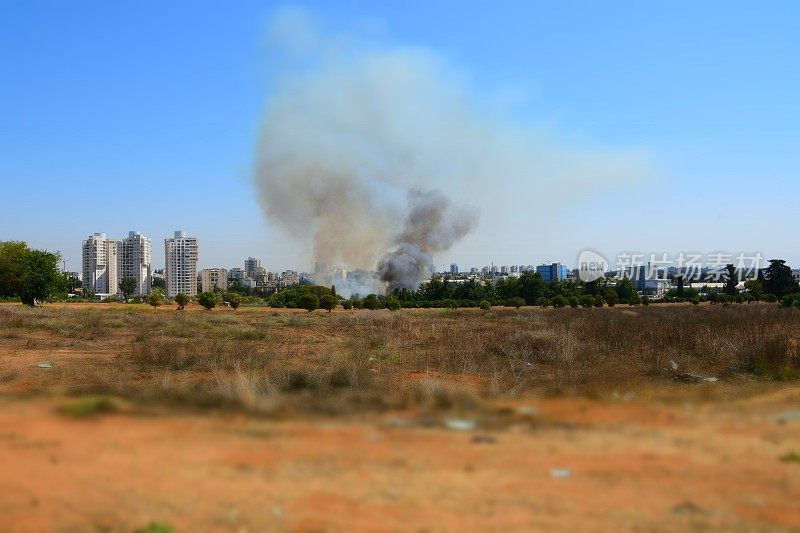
(432, 225)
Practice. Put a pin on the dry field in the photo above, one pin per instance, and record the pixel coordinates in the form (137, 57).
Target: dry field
(115, 417)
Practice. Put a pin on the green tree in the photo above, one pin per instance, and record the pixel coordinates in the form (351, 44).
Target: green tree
(626, 291)
(731, 279)
(587, 300)
(159, 283)
(207, 300)
(611, 297)
(371, 302)
(531, 287)
(391, 303)
(558, 301)
(516, 302)
(679, 292)
(155, 298)
(450, 304)
(347, 304)
(329, 301)
(12, 267)
(778, 279)
(127, 286)
(485, 305)
(41, 278)
(599, 301)
(30, 275)
(181, 299)
(755, 288)
(308, 301)
(234, 299)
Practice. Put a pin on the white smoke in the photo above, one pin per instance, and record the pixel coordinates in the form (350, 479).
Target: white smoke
(351, 127)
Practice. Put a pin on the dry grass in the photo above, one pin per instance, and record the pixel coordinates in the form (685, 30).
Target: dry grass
(350, 361)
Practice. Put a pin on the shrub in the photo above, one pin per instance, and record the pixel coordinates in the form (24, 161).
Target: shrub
(155, 298)
(516, 302)
(450, 304)
(573, 302)
(392, 303)
(485, 305)
(89, 406)
(347, 304)
(587, 300)
(611, 297)
(181, 299)
(541, 301)
(207, 300)
(308, 301)
(328, 302)
(599, 301)
(558, 301)
(770, 298)
(371, 302)
(234, 299)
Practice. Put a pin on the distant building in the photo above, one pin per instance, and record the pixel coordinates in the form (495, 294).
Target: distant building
(796, 274)
(453, 268)
(504, 269)
(237, 273)
(134, 261)
(251, 264)
(213, 278)
(320, 267)
(180, 255)
(552, 272)
(100, 265)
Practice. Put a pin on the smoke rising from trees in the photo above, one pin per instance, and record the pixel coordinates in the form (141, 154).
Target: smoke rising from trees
(368, 153)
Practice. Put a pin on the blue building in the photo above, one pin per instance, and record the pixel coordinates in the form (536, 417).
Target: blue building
(552, 272)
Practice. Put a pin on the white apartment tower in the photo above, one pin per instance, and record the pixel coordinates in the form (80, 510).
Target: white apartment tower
(180, 272)
(214, 278)
(100, 265)
(134, 261)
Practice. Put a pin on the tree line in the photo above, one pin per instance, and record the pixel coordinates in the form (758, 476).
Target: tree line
(32, 276)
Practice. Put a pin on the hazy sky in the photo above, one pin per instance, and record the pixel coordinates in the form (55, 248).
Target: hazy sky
(145, 115)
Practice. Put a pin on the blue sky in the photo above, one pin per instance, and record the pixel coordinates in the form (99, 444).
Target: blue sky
(144, 115)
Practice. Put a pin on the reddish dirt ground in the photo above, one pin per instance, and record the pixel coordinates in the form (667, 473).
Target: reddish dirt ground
(633, 465)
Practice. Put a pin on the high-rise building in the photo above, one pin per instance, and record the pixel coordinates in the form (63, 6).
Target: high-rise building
(214, 278)
(251, 264)
(453, 268)
(180, 256)
(100, 265)
(134, 261)
(320, 267)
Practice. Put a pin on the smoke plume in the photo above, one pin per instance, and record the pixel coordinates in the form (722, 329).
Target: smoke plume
(431, 226)
(357, 139)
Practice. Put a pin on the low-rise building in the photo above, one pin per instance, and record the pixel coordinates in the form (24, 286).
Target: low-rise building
(552, 272)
